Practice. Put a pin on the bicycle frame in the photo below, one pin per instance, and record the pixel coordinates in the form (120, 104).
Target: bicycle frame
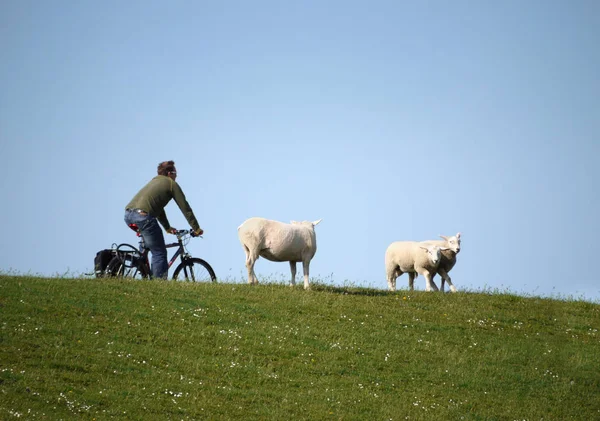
(180, 252)
(132, 262)
(143, 250)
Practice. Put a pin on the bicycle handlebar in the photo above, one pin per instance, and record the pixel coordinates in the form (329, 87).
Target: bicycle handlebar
(190, 232)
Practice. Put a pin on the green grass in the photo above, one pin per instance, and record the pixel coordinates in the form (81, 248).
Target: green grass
(142, 350)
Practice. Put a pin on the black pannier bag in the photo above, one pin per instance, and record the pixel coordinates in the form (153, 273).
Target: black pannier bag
(103, 257)
(128, 256)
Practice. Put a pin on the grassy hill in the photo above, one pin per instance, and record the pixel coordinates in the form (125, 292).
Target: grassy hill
(143, 350)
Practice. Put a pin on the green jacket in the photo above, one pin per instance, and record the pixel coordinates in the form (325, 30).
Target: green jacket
(155, 195)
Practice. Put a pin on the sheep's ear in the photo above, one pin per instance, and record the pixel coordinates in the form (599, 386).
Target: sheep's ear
(444, 248)
(316, 222)
(444, 237)
(458, 235)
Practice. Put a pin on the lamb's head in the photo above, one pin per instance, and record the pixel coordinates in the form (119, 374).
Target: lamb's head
(434, 253)
(453, 242)
(308, 224)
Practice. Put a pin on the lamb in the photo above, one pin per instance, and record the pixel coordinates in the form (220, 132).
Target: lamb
(448, 259)
(415, 258)
(278, 242)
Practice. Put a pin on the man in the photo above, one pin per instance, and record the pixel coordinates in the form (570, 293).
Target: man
(147, 208)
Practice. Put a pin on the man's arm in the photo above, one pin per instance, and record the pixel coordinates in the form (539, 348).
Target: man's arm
(162, 218)
(185, 207)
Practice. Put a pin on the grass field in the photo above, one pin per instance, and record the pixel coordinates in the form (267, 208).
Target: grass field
(143, 350)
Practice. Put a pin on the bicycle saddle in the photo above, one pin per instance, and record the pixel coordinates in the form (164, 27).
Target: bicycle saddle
(135, 228)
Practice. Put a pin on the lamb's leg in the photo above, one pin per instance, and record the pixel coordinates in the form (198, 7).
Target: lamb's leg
(441, 272)
(411, 281)
(432, 282)
(305, 266)
(293, 269)
(446, 277)
(251, 258)
(390, 282)
(391, 275)
(429, 284)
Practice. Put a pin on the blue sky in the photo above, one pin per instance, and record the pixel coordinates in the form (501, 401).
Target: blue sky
(391, 120)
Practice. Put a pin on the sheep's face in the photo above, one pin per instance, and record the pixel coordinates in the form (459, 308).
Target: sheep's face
(434, 253)
(453, 242)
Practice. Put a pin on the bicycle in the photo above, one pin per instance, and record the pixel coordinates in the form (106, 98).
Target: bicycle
(132, 262)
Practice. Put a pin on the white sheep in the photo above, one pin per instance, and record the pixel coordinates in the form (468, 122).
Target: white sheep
(448, 260)
(413, 258)
(278, 242)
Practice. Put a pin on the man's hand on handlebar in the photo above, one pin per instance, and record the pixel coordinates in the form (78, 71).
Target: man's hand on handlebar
(193, 233)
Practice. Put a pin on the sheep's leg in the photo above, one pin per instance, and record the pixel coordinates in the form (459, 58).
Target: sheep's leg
(443, 275)
(293, 269)
(429, 284)
(432, 282)
(305, 266)
(250, 260)
(392, 283)
(446, 278)
(411, 281)
(391, 276)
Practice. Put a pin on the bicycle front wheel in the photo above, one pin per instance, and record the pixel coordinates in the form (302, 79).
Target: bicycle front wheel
(195, 270)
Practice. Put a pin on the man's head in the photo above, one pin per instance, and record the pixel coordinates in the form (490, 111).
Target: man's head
(167, 168)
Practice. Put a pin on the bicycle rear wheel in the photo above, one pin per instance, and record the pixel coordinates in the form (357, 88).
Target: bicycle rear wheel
(195, 270)
(122, 268)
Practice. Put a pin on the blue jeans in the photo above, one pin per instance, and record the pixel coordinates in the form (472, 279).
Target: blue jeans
(154, 239)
